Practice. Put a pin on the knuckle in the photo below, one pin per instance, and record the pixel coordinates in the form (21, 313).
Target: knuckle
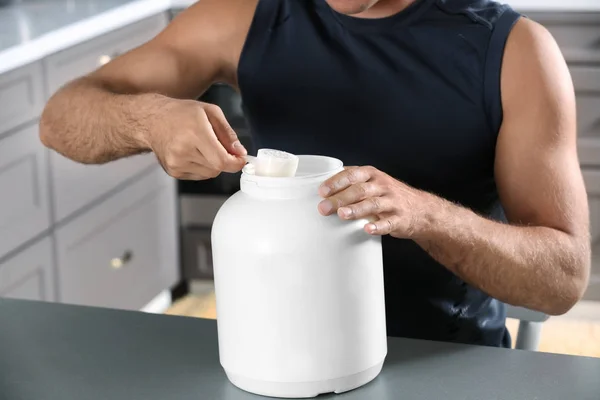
(171, 162)
(210, 107)
(219, 164)
(178, 148)
(388, 187)
(375, 203)
(363, 189)
(231, 133)
(336, 201)
(368, 168)
(200, 112)
(389, 225)
(352, 175)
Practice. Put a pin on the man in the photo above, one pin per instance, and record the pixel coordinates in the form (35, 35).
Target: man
(457, 117)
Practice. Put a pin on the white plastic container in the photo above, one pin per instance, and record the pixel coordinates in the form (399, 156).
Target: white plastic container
(300, 296)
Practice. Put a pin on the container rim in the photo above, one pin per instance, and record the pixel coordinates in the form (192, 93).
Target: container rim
(310, 168)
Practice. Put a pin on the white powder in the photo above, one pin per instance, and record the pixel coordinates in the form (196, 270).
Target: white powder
(275, 163)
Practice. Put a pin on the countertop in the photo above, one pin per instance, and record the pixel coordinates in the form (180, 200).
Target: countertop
(56, 352)
(33, 29)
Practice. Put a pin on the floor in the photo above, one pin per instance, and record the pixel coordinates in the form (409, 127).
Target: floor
(576, 333)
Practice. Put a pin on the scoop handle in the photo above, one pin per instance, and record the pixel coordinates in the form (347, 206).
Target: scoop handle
(250, 159)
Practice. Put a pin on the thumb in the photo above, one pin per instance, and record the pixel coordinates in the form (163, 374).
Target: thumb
(224, 131)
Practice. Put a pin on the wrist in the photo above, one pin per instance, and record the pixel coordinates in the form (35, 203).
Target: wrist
(436, 217)
(146, 114)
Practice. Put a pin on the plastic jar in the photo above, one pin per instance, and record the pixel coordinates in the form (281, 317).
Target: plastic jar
(300, 296)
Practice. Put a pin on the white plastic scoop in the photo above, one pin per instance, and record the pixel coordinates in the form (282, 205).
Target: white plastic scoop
(275, 163)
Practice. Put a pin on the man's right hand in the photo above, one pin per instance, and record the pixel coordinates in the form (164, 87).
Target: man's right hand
(144, 100)
(193, 140)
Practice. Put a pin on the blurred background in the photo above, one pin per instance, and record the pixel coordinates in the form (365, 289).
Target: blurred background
(125, 235)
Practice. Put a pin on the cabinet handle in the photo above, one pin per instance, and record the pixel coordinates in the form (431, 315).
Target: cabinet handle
(105, 58)
(120, 262)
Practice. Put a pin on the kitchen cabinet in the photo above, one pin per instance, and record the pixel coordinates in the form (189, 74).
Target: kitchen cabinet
(127, 246)
(21, 96)
(76, 185)
(24, 206)
(588, 122)
(98, 235)
(577, 33)
(586, 79)
(85, 57)
(29, 275)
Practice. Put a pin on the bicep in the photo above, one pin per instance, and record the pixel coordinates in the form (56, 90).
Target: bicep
(190, 54)
(537, 169)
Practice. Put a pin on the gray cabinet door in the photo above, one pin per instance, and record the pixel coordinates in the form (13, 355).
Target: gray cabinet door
(30, 274)
(21, 96)
(84, 58)
(24, 208)
(592, 181)
(124, 251)
(76, 185)
(586, 78)
(577, 34)
(588, 128)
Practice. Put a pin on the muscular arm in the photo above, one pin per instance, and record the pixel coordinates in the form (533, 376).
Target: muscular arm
(106, 115)
(542, 259)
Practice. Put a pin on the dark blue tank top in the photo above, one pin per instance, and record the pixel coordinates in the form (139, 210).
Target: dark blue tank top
(416, 95)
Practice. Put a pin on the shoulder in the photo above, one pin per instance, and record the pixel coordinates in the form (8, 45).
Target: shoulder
(530, 36)
(210, 15)
(212, 31)
(534, 69)
(485, 12)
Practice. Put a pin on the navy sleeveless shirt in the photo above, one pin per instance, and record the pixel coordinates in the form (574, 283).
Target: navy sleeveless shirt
(416, 95)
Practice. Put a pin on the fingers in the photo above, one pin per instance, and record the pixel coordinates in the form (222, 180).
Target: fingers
(384, 226)
(398, 226)
(345, 179)
(190, 177)
(224, 131)
(191, 171)
(350, 196)
(366, 208)
(214, 152)
(194, 169)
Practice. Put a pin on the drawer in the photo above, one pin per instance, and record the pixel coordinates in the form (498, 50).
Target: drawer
(30, 274)
(592, 181)
(77, 185)
(588, 128)
(21, 96)
(123, 252)
(86, 57)
(577, 34)
(24, 205)
(586, 79)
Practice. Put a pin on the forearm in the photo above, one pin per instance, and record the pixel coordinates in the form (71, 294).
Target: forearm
(88, 123)
(535, 267)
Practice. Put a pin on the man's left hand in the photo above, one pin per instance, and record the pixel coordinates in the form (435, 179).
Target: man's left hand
(393, 207)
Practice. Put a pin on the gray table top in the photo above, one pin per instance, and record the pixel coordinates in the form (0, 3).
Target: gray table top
(59, 352)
